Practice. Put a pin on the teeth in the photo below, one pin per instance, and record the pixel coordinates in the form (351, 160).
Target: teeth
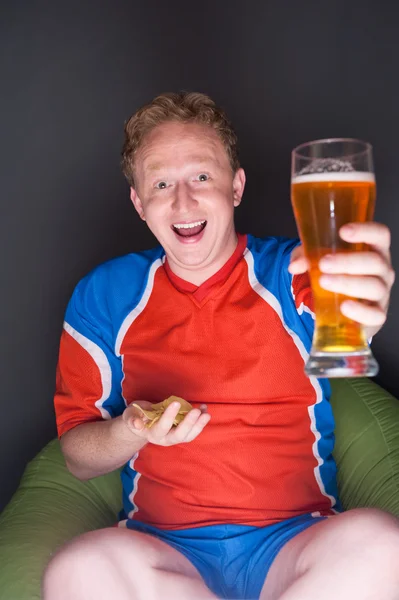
(188, 225)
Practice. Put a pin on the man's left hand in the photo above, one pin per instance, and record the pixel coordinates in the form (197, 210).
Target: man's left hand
(364, 275)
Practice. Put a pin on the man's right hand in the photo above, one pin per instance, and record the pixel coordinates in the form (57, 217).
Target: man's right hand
(164, 433)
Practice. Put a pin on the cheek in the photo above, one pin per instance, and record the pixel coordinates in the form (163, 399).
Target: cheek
(226, 201)
(155, 214)
(219, 196)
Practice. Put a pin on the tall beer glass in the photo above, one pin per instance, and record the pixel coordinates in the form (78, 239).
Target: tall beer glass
(332, 184)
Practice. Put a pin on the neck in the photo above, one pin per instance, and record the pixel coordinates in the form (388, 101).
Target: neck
(197, 276)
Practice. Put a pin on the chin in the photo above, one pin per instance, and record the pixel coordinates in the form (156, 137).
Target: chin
(192, 261)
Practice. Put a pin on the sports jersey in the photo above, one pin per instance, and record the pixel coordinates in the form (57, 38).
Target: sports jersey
(136, 331)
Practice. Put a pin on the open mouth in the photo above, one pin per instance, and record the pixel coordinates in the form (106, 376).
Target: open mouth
(189, 229)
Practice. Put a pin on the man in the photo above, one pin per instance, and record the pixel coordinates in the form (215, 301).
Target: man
(239, 500)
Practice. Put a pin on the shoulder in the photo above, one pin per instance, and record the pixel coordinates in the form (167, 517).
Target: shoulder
(270, 254)
(271, 245)
(128, 272)
(115, 286)
(268, 259)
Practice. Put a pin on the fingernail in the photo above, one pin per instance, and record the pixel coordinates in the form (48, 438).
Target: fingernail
(326, 262)
(348, 304)
(325, 280)
(348, 230)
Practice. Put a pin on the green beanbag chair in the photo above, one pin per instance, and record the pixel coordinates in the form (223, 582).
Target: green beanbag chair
(51, 506)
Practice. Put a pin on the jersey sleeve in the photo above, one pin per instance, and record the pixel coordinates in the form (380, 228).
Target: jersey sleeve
(89, 374)
(302, 300)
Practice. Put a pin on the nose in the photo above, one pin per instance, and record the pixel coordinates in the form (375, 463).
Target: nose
(183, 199)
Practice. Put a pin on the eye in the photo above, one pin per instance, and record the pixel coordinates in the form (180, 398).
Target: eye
(161, 185)
(203, 177)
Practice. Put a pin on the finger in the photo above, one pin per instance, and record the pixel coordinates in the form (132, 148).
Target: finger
(137, 423)
(165, 423)
(355, 263)
(135, 409)
(297, 252)
(179, 433)
(198, 427)
(298, 262)
(133, 419)
(369, 315)
(298, 265)
(367, 288)
(374, 234)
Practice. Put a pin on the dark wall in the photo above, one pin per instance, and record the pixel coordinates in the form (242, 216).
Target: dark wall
(72, 72)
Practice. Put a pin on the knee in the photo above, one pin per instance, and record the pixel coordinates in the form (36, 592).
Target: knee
(370, 523)
(85, 557)
(94, 545)
(372, 532)
(66, 563)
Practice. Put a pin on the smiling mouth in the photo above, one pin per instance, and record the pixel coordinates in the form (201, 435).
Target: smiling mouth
(189, 229)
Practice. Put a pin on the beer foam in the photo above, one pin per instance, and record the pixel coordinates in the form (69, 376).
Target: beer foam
(355, 176)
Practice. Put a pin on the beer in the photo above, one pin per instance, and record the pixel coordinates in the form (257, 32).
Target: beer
(322, 203)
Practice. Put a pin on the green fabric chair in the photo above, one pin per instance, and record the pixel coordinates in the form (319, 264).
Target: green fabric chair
(51, 506)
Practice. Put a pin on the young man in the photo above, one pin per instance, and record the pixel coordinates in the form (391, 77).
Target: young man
(240, 499)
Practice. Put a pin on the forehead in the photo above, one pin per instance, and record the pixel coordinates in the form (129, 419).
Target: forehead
(180, 142)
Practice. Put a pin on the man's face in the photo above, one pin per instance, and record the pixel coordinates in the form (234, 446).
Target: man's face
(186, 192)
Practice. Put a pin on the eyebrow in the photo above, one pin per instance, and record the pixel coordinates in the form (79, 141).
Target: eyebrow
(153, 167)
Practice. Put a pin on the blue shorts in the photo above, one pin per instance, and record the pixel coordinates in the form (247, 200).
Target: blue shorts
(233, 560)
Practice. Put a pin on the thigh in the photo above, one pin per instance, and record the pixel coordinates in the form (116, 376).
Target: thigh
(324, 543)
(116, 558)
(151, 550)
(131, 547)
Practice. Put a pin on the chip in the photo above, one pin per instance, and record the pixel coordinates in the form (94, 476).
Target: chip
(157, 410)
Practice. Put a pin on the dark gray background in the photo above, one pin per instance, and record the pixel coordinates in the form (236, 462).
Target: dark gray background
(72, 72)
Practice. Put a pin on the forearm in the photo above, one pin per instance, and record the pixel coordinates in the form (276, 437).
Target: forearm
(94, 449)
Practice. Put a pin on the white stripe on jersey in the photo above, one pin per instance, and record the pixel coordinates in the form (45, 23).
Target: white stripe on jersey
(101, 360)
(127, 322)
(275, 304)
(135, 485)
(137, 309)
(302, 307)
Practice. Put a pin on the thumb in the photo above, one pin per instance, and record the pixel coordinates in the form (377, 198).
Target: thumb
(137, 423)
(298, 263)
(134, 418)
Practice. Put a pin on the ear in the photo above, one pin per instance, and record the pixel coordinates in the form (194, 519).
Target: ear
(238, 186)
(137, 203)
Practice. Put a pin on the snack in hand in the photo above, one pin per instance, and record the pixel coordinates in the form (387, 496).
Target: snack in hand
(158, 409)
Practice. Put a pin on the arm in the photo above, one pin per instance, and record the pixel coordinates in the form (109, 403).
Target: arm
(88, 400)
(97, 448)
(94, 449)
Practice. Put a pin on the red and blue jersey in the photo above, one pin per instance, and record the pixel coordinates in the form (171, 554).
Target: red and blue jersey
(135, 331)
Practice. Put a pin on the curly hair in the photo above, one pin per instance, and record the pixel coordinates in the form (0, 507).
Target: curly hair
(183, 107)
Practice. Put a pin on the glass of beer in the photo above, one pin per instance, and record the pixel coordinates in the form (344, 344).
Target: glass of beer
(333, 184)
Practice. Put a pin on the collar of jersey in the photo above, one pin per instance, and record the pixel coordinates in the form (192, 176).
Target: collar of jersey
(201, 293)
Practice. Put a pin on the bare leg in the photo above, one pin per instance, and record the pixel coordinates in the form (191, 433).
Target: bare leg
(351, 556)
(119, 564)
